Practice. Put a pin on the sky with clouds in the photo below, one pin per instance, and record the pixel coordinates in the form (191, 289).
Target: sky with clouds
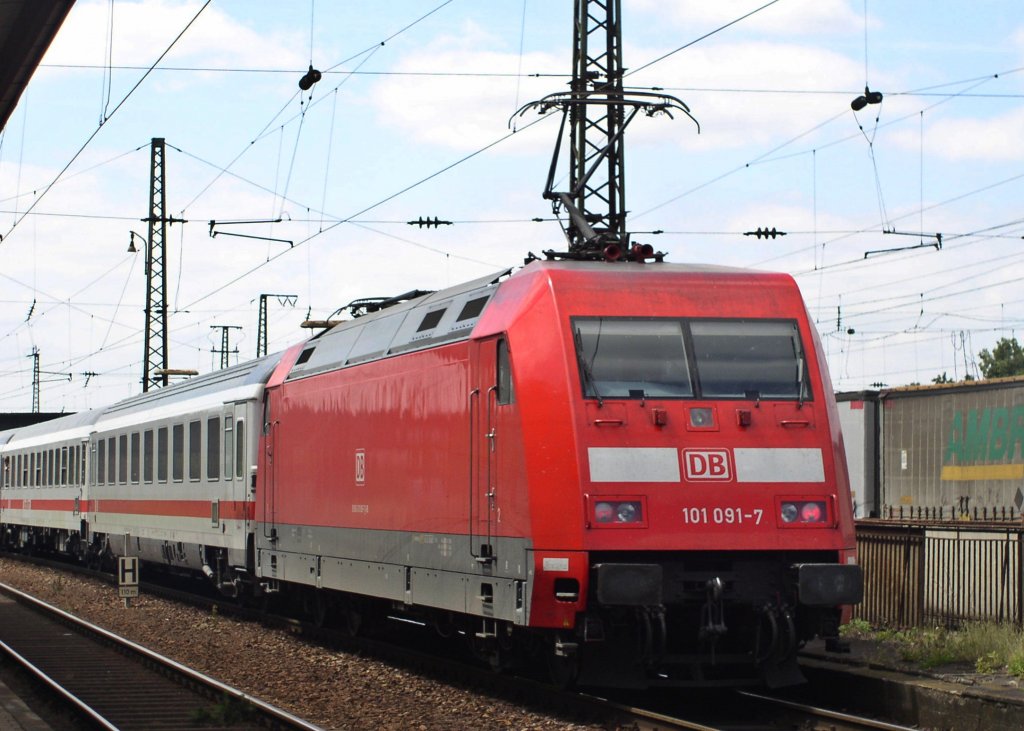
(415, 116)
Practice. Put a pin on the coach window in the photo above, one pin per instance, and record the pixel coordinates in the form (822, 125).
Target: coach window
(135, 461)
(240, 449)
(229, 447)
(23, 480)
(48, 468)
(195, 450)
(17, 470)
(101, 463)
(122, 459)
(111, 461)
(38, 481)
(161, 454)
(147, 455)
(64, 464)
(75, 455)
(213, 448)
(505, 392)
(178, 453)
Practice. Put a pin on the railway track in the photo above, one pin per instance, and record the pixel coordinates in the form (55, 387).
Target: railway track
(813, 718)
(719, 711)
(116, 684)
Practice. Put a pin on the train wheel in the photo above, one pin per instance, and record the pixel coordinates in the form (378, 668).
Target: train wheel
(353, 620)
(320, 608)
(563, 669)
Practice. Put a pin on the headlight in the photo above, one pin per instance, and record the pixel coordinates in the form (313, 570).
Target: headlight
(628, 513)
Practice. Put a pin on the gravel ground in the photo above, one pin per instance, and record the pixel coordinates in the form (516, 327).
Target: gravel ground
(330, 688)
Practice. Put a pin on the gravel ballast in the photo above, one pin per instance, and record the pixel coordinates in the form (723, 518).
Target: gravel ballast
(327, 687)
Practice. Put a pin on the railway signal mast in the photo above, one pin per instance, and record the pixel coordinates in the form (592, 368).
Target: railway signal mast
(598, 108)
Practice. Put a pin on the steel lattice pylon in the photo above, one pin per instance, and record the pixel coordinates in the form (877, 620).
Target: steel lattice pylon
(154, 370)
(598, 109)
(261, 327)
(596, 128)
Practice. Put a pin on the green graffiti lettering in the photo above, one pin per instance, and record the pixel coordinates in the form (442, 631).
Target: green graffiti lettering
(955, 445)
(976, 442)
(1000, 438)
(1016, 430)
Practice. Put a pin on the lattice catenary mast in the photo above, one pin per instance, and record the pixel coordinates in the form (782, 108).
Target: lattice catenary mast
(598, 109)
(154, 369)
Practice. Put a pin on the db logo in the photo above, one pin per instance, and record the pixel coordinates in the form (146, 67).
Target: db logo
(707, 464)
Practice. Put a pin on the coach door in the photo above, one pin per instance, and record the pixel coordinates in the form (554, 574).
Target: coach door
(235, 466)
(490, 388)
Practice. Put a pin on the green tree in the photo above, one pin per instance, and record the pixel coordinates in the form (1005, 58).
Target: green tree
(1006, 359)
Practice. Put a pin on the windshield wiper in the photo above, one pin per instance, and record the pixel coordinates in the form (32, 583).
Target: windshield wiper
(800, 382)
(589, 384)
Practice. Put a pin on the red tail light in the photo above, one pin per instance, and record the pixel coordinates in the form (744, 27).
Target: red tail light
(616, 512)
(803, 513)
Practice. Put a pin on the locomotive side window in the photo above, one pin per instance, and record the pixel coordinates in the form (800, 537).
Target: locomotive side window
(505, 392)
(749, 359)
(213, 448)
(161, 454)
(430, 320)
(178, 453)
(626, 358)
(195, 449)
(472, 309)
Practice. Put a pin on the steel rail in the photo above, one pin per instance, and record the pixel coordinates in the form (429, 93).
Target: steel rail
(279, 717)
(854, 722)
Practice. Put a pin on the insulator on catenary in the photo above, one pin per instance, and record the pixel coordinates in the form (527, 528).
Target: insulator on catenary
(768, 233)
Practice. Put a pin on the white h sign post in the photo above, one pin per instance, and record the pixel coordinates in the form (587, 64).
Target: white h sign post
(127, 578)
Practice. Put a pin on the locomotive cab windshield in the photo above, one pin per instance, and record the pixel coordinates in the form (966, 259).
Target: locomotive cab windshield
(638, 358)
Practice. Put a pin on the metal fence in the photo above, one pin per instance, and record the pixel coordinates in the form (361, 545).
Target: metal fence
(940, 573)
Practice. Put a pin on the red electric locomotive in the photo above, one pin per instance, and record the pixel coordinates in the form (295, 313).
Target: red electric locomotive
(634, 470)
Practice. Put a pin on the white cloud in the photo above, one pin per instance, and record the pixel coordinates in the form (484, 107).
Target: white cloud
(735, 119)
(992, 139)
(472, 111)
(142, 30)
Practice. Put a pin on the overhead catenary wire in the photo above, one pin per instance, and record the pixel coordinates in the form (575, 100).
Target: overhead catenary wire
(96, 131)
(325, 204)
